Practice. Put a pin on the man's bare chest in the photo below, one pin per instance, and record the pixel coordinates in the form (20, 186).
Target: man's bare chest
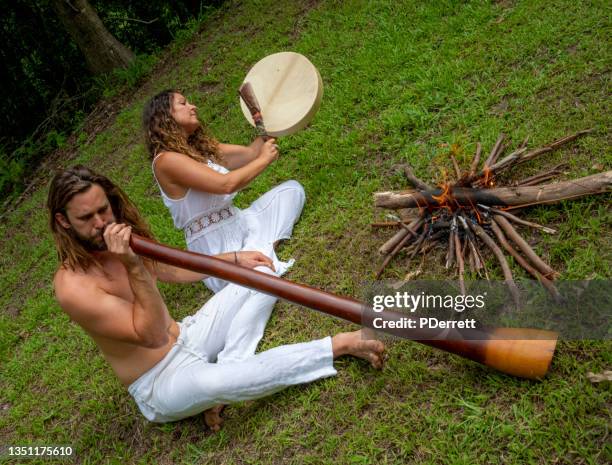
(113, 279)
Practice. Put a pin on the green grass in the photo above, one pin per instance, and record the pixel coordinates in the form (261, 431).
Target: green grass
(403, 81)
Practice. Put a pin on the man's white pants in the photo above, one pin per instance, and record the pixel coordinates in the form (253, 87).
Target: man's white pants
(213, 360)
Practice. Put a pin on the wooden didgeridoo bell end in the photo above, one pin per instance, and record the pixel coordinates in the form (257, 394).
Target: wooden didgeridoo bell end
(522, 352)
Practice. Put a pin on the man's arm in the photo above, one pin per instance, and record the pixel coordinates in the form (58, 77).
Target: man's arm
(150, 316)
(174, 274)
(108, 315)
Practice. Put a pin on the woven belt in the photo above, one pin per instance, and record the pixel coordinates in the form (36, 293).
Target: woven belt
(207, 220)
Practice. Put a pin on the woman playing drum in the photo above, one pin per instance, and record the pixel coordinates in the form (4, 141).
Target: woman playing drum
(198, 178)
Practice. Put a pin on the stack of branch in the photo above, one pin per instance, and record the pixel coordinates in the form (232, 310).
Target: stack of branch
(473, 211)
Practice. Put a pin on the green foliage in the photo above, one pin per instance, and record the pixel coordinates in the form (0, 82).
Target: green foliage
(121, 79)
(183, 35)
(11, 173)
(13, 167)
(145, 26)
(47, 88)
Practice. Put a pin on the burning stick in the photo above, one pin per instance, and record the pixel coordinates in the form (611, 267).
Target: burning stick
(518, 156)
(547, 283)
(419, 242)
(516, 219)
(538, 178)
(456, 166)
(497, 149)
(385, 224)
(470, 239)
(411, 232)
(476, 159)
(500, 258)
(450, 256)
(514, 197)
(527, 250)
(433, 240)
(416, 182)
(459, 259)
(484, 266)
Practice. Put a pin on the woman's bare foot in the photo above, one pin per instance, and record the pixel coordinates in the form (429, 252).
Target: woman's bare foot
(212, 417)
(356, 345)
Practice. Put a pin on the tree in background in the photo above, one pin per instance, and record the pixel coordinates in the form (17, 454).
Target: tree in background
(49, 87)
(103, 52)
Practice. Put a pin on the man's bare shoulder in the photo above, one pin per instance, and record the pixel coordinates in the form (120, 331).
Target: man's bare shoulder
(73, 287)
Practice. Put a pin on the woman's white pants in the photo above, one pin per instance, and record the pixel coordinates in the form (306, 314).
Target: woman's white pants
(267, 220)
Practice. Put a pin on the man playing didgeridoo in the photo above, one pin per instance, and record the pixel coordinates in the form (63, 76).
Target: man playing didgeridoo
(173, 370)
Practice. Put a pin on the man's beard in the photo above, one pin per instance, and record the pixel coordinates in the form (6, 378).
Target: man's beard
(90, 244)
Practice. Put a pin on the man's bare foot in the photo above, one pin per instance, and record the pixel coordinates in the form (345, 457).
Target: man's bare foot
(212, 417)
(356, 345)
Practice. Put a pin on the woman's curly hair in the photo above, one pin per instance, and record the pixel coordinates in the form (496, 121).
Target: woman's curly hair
(162, 133)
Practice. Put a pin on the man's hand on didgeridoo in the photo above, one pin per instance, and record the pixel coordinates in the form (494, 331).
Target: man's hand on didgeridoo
(117, 239)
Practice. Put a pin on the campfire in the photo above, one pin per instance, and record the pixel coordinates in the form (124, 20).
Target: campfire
(474, 210)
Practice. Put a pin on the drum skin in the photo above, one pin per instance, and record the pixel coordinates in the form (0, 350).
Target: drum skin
(288, 88)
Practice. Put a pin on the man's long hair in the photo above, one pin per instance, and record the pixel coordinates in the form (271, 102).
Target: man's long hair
(76, 180)
(162, 132)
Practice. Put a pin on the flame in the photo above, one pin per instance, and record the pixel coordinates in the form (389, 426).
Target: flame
(445, 197)
(487, 176)
(488, 180)
(475, 210)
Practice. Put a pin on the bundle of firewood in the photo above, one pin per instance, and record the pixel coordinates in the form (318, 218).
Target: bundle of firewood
(472, 210)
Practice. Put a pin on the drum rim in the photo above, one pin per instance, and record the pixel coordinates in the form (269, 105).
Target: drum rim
(302, 121)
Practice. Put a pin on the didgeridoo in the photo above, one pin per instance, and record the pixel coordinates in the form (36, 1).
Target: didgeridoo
(522, 352)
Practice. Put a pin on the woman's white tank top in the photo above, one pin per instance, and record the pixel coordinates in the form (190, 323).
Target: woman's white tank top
(194, 204)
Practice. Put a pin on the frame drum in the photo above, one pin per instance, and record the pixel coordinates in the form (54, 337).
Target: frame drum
(288, 88)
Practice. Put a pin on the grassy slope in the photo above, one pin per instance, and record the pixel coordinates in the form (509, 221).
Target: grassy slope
(402, 81)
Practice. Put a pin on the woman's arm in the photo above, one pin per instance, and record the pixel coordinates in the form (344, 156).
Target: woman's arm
(236, 156)
(175, 170)
(248, 259)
